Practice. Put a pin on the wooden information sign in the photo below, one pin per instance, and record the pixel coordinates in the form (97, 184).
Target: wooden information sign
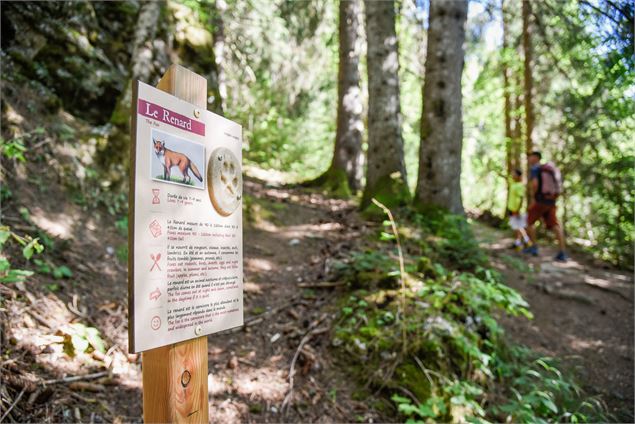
(185, 240)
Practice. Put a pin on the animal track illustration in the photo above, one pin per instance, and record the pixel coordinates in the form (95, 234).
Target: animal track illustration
(224, 181)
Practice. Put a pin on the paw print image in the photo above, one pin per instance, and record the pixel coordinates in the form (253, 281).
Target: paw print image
(155, 228)
(224, 181)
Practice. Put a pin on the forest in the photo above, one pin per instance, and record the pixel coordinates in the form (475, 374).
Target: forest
(403, 257)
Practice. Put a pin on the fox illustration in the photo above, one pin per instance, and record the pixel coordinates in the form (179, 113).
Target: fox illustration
(172, 158)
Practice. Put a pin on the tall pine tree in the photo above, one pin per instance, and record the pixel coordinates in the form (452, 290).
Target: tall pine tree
(386, 170)
(439, 179)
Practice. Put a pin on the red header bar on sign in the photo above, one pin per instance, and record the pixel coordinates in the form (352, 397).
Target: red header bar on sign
(177, 120)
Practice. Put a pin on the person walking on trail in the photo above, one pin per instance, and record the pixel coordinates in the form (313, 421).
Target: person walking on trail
(545, 185)
(517, 220)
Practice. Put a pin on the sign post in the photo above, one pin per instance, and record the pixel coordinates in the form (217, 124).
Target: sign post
(185, 241)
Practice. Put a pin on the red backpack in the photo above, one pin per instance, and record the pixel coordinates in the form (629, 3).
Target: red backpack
(550, 181)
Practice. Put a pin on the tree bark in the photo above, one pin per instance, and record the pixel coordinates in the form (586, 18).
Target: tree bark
(148, 55)
(386, 171)
(439, 179)
(528, 84)
(141, 59)
(219, 8)
(347, 166)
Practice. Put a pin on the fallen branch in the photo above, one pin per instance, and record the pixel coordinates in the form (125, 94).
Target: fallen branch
(307, 336)
(77, 378)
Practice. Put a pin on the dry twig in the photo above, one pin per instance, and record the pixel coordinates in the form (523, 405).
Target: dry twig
(310, 333)
(77, 378)
(15, 402)
(402, 269)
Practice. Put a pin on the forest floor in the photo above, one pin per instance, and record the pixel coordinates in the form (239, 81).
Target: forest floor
(583, 315)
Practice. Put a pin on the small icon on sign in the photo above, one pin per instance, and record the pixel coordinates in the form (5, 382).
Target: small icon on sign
(155, 228)
(155, 323)
(156, 261)
(154, 294)
(155, 198)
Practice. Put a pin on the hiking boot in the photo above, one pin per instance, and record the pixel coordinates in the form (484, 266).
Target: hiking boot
(531, 250)
(561, 257)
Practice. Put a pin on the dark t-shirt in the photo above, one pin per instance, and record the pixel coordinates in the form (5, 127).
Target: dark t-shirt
(535, 174)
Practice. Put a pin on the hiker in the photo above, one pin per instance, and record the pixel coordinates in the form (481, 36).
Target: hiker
(517, 220)
(545, 185)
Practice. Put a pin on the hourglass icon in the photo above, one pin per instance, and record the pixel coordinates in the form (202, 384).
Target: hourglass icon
(155, 199)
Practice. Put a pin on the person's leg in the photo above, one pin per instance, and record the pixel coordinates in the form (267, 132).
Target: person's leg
(553, 224)
(557, 230)
(533, 215)
(525, 236)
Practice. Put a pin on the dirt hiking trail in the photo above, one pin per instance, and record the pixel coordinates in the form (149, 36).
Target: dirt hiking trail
(583, 315)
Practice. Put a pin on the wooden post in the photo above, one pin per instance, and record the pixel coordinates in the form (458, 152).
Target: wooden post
(175, 376)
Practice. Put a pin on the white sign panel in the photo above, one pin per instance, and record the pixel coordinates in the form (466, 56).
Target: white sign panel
(186, 275)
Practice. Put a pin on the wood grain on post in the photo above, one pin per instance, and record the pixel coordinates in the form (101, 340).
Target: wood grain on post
(175, 376)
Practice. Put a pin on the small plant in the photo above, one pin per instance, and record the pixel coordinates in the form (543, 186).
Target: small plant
(122, 253)
(13, 149)
(30, 246)
(58, 272)
(79, 338)
(122, 225)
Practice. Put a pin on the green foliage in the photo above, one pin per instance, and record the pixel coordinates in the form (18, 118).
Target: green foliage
(451, 240)
(452, 360)
(584, 78)
(29, 245)
(13, 149)
(122, 253)
(538, 392)
(80, 338)
(121, 225)
(47, 268)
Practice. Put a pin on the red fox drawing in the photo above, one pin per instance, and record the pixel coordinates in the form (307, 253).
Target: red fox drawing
(172, 158)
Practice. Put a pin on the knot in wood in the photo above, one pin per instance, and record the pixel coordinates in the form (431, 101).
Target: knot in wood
(185, 378)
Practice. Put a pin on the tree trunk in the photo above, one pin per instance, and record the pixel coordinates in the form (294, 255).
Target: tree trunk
(219, 8)
(386, 170)
(147, 56)
(528, 85)
(345, 173)
(509, 142)
(141, 59)
(517, 124)
(439, 182)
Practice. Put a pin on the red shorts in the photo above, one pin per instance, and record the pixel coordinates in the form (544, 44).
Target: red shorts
(541, 211)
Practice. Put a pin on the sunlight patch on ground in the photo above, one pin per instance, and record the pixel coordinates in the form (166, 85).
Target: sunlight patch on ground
(582, 344)
(57, 226)
(270, 176)
(256, 264)
(600, 282)
(227, 411)
(250, 287)
(297, 231)
(253, 385)
(261, 383)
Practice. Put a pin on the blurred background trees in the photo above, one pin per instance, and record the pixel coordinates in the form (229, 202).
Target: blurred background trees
(553, 75)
